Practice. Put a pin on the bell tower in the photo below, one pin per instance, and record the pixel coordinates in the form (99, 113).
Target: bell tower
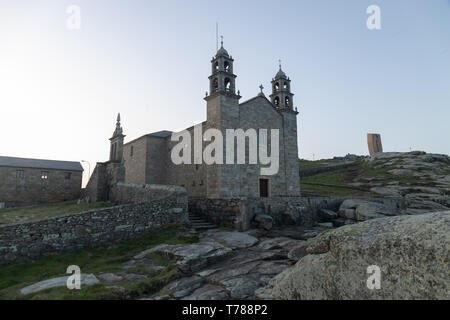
(222, 81)
(222, 108)
(116, 149)
(282, 97)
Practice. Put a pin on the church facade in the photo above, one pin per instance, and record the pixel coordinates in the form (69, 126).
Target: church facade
(147, 159)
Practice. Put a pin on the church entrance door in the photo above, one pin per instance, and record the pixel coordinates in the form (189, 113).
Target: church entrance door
(264, 188)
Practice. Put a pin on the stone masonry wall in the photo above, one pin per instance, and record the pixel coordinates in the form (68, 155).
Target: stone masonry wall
(238, 213)
(31, 189)
(137, 193)
(27, 241)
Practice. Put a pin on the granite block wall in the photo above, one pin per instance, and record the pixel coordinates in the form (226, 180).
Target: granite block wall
(27, 241)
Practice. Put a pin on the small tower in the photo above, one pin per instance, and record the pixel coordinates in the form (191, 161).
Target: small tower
(222, 108)
(222, 80)
(281, 96)
(282, 99)
(116, 151)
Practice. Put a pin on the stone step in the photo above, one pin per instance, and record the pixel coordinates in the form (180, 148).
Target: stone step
(201, 225)
(198, 222)
(204, 228)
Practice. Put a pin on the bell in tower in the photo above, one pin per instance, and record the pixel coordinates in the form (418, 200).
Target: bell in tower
(281, 96)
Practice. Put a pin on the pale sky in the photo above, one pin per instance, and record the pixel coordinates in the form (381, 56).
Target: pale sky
(61, 89)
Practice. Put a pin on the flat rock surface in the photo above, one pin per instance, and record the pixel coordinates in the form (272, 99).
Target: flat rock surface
(231, 239)
(190, 257)
(86, 280)
(240, 275)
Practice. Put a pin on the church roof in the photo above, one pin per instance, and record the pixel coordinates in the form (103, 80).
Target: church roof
(222, 52)
(40, 164)
(161, 134)
(280, 74)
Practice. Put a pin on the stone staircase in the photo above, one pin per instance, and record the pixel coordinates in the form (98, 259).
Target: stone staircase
(198, 223)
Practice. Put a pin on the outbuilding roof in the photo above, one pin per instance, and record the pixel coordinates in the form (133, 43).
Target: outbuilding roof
(40, 164)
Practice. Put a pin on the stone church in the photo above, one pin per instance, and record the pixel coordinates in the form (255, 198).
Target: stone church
(147, 159)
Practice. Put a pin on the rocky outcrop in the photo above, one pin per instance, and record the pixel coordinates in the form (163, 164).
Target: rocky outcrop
(264, 221)
(191, 257)
(411, 252)
(230, 239)
(362, 210)
(238, 277)
(85, 280)
(422, 179)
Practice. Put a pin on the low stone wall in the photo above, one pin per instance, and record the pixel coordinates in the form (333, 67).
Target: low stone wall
(222, 212)
(138, 193)
(27, 241)
(239, 213)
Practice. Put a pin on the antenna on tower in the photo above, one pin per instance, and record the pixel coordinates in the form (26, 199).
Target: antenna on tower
(217, 36)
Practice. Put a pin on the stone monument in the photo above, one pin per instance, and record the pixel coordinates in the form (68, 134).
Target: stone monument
(374, 142)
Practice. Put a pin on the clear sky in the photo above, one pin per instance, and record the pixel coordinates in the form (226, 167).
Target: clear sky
(61, 89)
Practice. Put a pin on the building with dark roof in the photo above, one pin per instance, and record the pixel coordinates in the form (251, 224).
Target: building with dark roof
(25, 182)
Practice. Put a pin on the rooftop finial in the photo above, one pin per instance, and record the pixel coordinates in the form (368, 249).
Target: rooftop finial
(261, 87)
(118, 130)
(279, 63)
(221, 41)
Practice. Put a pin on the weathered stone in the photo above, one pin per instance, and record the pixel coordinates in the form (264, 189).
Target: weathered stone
(86, 280)
(326, 225)
(411, 252)
(184, 287)
(231, 239)
(280, 243)
(362, 210)
(347, 213)
(327, 215)
(299, 251)
(94, 227)
(133, 276)
(191, 257)
(339, 222)
(109, 277)
(208, 292)
(264, 221)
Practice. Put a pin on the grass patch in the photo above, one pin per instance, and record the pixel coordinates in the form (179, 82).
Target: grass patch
(44, 211)
(332, 177)
(307, 164)
(92, 260)
(335, 180)
(327, 189)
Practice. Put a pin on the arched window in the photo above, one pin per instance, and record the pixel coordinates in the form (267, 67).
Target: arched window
(277, 101)
(287, 101)
(276, 86)
(227, 84)
(226, 66)
(216, 66)
(286, 86)
(215, 84)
